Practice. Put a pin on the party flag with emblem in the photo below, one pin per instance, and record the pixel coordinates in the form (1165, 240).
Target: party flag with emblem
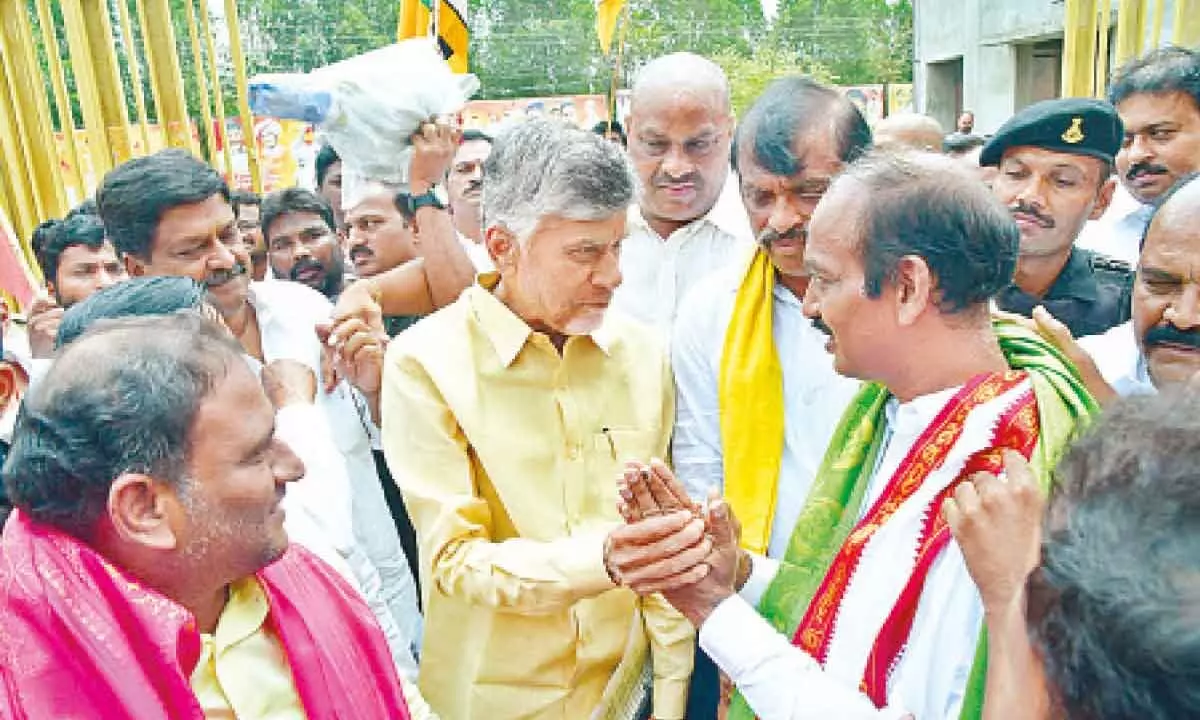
(416, 20)
(607, 13)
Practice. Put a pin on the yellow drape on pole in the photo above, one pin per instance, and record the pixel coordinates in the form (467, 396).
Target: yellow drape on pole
(135, 73)
(1187, 23)
(201, 81)
(243, 93)
(608, 12)
(62, 101)
(16, 194)
(1079, 48)
(1157, 23)
(31, 111)
(454, 37)
(162, 62)
(1102, 51)
(218, 94)
(1131, 29)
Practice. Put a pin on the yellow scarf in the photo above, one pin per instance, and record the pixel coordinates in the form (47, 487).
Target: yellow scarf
(750, 394)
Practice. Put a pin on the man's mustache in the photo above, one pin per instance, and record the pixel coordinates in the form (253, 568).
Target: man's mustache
(475, 186)
(770, 236)
(1026, 209)
(1168, 334)
(360, 251)
(663, 180)
(218, 278)
(304, 264)
(1139, 169)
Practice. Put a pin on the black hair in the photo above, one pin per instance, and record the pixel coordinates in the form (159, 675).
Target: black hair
(792, 106)
(121, 399)
(1114, 606)
(244, 197)
(606, 126)
(294, 200)
(51, 240)
(924, 205)
(1163, 70)
(134, 196)
(148, 295)
(326, 157)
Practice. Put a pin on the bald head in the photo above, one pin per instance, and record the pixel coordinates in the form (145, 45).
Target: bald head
(909, 130)
(680, 74)
(680, 129)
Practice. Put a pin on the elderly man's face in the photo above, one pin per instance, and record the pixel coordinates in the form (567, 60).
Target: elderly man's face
(836, 300)
(380, 237)
(1051, 195)
(564, 275)
(83, 270)
(679, 144)
(1162, 142)
(201, 241)
(1166, 295)
(780, 206)
(232, 502)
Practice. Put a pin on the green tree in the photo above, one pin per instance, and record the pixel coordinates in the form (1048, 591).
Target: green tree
(750, 74)
(860, 41)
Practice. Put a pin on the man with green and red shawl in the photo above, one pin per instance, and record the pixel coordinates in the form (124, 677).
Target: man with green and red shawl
(873, 611)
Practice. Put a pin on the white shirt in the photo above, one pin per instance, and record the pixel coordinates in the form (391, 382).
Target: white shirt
(287, 314)
(1118, 233)
(477, 253)
(814, 395)
(1119, 360)
(319, 516)
(657, 273)
(782, 682)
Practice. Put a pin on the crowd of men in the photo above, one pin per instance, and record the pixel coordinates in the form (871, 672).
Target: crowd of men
(774, 416)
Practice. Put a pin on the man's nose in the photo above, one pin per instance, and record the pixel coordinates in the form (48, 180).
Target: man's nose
(785, 215)
(286, 466)
(1139, 150)
(105, 278)
(223, 258)
(676, 163)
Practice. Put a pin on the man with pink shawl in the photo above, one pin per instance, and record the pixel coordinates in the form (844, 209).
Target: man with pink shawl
(145, 572)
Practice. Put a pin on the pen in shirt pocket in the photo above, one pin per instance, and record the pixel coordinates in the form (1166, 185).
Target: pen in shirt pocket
(612, 445)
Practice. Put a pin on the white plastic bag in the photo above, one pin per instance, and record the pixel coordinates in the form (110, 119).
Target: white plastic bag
(368, 106)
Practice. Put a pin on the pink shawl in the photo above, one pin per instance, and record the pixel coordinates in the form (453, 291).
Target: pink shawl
(81, 639)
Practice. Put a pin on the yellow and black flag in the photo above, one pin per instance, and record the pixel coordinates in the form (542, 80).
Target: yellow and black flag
(417, 20)
(608, 12)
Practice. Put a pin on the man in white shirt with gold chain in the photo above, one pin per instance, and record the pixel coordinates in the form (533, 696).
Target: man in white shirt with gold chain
(687, 221)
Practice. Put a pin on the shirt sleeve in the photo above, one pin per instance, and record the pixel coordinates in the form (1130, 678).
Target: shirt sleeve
(429, 457)
(762, 571)
(778, 680)
(696, 449)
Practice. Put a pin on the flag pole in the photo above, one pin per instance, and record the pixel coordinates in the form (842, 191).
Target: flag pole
(618, 56)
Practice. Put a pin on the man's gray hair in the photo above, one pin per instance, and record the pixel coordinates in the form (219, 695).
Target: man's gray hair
(543, 168)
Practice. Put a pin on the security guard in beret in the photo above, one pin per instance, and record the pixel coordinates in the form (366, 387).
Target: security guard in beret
(1054, 162)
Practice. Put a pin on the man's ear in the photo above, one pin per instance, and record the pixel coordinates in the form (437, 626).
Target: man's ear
(501, 244)
(1103, 198)
(134, 265)
(915, 286)
(145, 511)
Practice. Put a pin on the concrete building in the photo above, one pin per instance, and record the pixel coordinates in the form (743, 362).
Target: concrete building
(992, 57)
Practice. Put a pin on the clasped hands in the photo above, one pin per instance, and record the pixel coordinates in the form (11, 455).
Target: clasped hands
(669, 544)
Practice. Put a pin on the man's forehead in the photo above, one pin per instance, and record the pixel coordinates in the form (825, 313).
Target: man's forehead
(297, 222)
(473, 150)
(185, 222)
(812, 154)
(1148, 108)
(86, 253)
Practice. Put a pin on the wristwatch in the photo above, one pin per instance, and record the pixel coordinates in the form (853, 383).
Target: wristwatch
(434, 197)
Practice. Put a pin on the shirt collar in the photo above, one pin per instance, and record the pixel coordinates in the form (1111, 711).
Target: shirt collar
(244, 613)
(506, 331)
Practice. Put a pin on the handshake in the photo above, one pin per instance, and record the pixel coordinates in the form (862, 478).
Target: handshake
(672, 545)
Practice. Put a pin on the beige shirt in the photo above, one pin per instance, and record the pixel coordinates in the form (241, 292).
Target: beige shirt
(507, 453)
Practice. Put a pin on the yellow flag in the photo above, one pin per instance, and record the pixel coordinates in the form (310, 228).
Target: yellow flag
(454, 36)
(607, 13)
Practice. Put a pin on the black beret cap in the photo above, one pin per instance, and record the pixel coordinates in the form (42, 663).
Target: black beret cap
(1080, 126)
